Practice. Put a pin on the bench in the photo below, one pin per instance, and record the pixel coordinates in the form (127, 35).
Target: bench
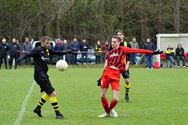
(166, 63)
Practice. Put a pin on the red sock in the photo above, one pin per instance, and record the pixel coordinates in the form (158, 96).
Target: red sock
(105, 104)
(113, 104)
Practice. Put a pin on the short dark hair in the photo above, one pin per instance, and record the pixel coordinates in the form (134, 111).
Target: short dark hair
(120, 31)
(117, 37)
(44, 38)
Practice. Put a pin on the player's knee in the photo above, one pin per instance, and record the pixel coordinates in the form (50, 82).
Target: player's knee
(53, 93)
(116, 99)
(102, 96)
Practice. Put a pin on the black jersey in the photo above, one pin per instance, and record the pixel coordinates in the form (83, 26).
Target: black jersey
(41, 57)
(126, 44)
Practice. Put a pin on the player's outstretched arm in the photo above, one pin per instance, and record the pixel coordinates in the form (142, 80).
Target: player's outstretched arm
(55, 52)
(142, 51)
(132, 50)
(28, 54)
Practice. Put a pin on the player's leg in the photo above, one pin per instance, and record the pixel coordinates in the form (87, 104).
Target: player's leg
(0, 60)
(104, 100)
(115, 88)
(54, 103)
(43, 99)
(127, 85)
(5, 61)
(10, 61)
(127, 89)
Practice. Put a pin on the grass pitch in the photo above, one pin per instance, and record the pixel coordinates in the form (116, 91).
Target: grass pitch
(158, 97)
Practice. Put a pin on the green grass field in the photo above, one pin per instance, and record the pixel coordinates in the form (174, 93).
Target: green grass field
(158, 97)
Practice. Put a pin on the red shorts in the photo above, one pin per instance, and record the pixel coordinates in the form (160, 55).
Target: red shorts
(112, 77)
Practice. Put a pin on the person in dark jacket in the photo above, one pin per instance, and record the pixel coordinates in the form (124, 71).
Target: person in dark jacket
(3, 52)
(14, 52)
(84, 46)
(74, 45)
(148, 57)
(180, 55)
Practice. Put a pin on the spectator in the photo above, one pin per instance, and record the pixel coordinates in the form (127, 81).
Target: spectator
(170, 56)
(148, 57)
(3, 52)
(180, 55)
(14, 52)
(58, 47)
(84, 49)
(98, 51)
(74, 45)
(27, 48)
(105, 47)
(65, 48)
(134, 44)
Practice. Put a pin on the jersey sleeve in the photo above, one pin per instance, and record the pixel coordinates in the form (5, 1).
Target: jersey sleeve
(55, 52)
(132, 50)
(32, 53)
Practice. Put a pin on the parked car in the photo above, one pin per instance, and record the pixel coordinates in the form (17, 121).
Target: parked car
(90, 57)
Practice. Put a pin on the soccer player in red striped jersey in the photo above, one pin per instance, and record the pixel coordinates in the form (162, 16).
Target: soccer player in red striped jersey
(114, 66)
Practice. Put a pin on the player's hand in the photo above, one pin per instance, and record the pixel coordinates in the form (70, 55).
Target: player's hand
(99, 82)
(157, 52)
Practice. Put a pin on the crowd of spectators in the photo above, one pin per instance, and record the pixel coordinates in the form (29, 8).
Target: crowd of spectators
(85, 52)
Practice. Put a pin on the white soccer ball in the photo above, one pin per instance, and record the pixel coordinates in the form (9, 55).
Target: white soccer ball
(61, 65)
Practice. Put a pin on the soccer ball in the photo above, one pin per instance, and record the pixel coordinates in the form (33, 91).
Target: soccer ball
(61, 65)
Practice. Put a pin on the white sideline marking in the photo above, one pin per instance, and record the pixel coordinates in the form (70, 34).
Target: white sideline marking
(24, 103)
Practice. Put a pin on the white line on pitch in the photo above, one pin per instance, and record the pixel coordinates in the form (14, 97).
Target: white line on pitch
(24, 103)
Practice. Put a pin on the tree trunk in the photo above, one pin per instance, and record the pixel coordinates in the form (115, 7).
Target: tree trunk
(177, 16)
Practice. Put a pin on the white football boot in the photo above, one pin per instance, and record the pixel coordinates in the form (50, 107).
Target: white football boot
(113, 113)
(104, 115)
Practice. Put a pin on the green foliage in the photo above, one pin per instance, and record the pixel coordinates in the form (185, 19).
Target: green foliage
(91, 19)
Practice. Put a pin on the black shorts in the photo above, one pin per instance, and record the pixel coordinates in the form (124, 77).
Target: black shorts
(44, 83)
(125, 74)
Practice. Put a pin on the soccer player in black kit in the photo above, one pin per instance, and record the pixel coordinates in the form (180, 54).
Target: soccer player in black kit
(41, 57)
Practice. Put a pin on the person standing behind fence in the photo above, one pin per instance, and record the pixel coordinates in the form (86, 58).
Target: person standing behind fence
(14, 52)
(65, 48)
(170, 56)
(27, 48)
(84, 49)
(105, 47)
(59, 47)
(3, 52)
(98, 52)
(134, 44)
(180, 55)
(148, 57)
(76, 46)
